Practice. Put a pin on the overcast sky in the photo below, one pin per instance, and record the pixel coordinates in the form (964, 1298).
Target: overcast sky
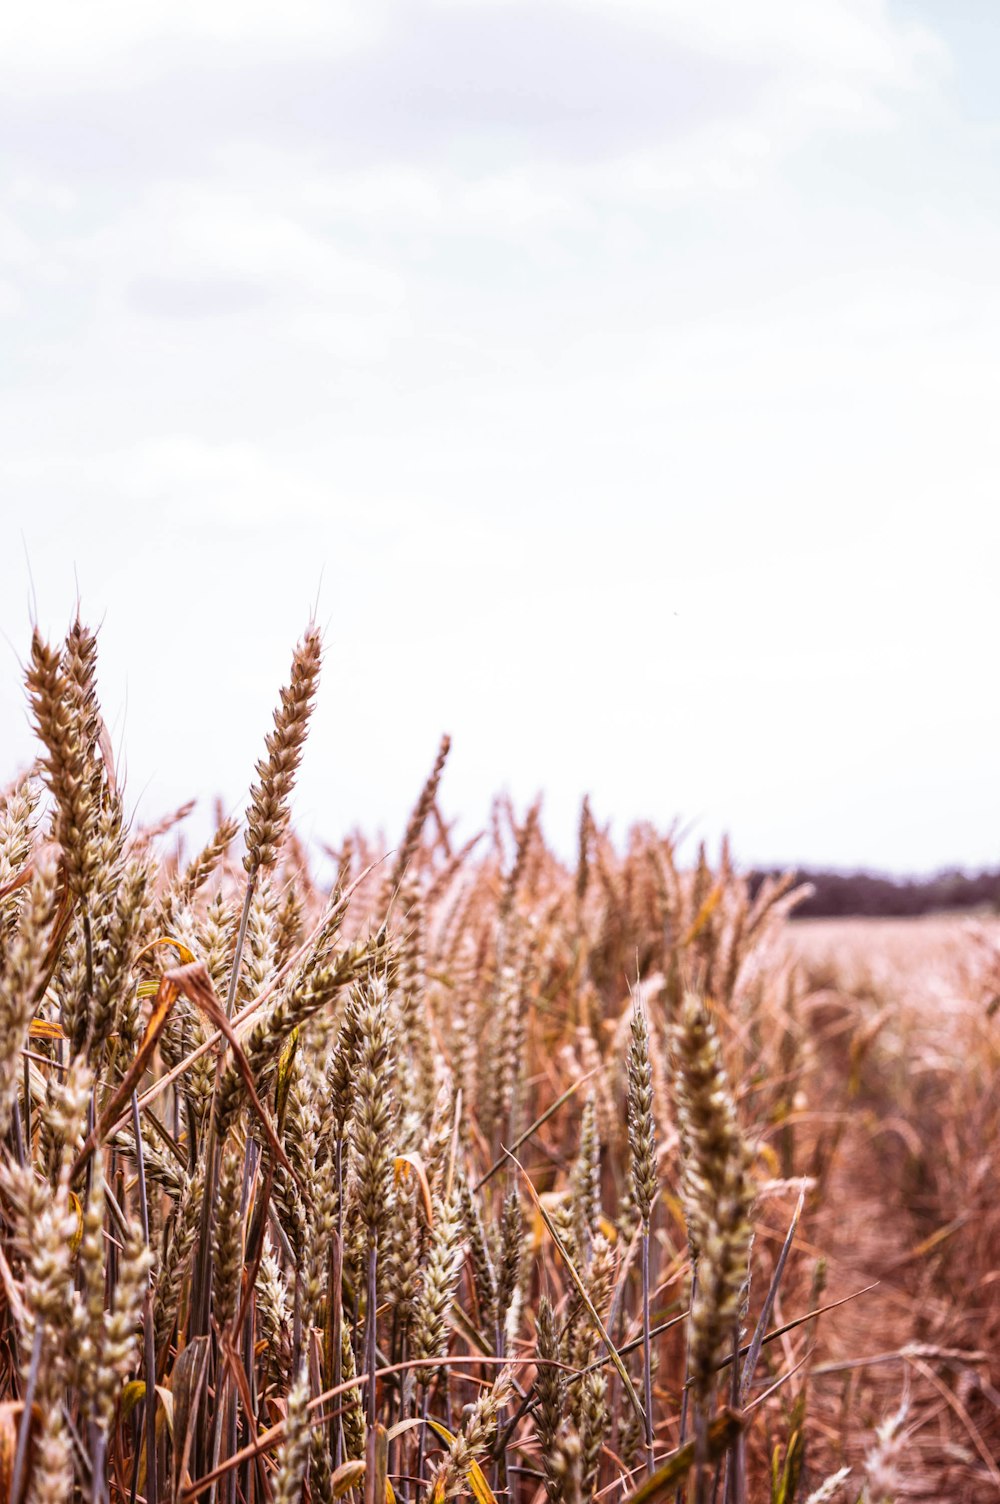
(619, 376)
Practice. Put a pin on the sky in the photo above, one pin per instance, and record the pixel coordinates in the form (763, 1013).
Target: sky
(615, 379)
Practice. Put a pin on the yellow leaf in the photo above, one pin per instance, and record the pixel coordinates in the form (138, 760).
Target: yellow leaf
(477, 1482)
(403, 1426)
(167, 1401)
(347, 1476)
(11, 1418)
(660, 1486)
(77, 1235)
(477, 1478)
(770, 1158)
(674, 1206)
(703, 916)
(186, 956)
(164, 1421)
(550, 1201)
(441, 1431)
(285, 1061)
(132, 1393)
(40, 1028)
(405, 1164)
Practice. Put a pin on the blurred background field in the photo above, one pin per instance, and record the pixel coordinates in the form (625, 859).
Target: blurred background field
(900, 1012)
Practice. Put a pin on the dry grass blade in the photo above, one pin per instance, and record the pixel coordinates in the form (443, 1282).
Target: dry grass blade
(791, 1326)
(529, 1133)
(757, 1341)
(178, 1071)
(583, 1292)
(195, 981)
(972, 1430)
(661, 1484)
(188, 1382)
(270, 1438)
(166, 996)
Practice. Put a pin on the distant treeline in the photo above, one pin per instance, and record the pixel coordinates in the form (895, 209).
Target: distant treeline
(866, 893)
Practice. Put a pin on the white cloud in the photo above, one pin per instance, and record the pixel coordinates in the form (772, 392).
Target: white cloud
(856, 36)
(67, 38)
(194, 484)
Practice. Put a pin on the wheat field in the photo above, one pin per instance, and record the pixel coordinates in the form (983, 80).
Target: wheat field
(473, 1172)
